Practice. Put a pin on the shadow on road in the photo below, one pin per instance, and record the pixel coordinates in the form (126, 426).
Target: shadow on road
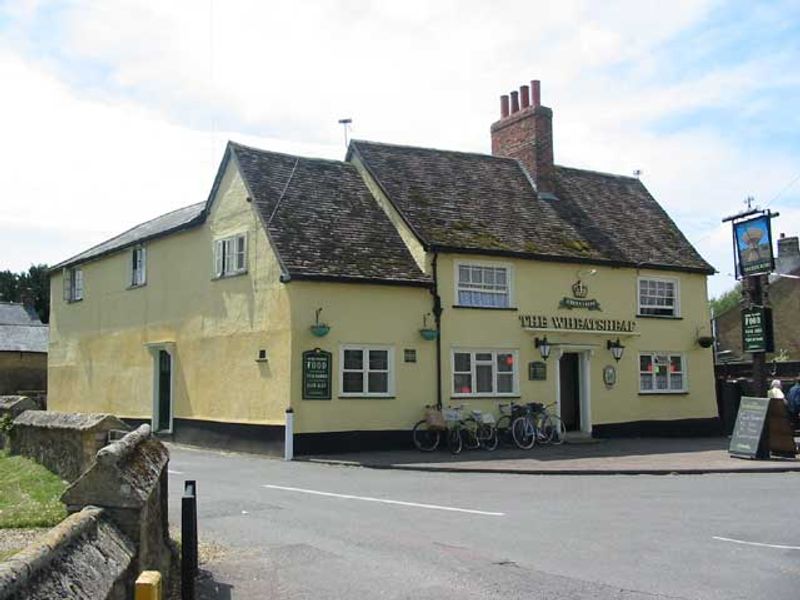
(209, 589)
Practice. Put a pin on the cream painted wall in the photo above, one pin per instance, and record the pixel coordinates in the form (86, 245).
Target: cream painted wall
(98, 356)
(363, 314)
(538, 287)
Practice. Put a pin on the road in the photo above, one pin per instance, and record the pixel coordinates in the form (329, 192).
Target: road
(304, 530)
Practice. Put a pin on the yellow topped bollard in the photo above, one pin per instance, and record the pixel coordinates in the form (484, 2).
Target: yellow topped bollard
(148, 586)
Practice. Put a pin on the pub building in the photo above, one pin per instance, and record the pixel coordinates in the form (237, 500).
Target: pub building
(356, 292)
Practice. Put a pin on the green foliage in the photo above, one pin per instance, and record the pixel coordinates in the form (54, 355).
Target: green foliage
(6, 424)
(726, 301)
(29, 494)
(36, 279)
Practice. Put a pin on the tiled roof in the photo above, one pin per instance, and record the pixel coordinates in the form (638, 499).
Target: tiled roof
(322, 219)
(168, 223)
(21, 330)
(476, 202)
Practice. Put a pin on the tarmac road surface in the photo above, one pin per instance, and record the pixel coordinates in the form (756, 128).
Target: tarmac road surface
(275, 530)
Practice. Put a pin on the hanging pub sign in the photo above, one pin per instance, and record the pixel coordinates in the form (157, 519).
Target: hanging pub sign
(753, 241)
(757, 333)
(316, 375)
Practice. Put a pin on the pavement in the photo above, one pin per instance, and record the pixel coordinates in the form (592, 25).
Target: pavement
(578, 456)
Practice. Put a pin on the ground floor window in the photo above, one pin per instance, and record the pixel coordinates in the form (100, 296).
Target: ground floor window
(484, 373)
(662, 372)
(366, 371)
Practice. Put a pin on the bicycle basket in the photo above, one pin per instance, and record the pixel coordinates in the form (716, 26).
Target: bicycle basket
(452, 414)
(536, 407)
(487, 419)
(435, 419)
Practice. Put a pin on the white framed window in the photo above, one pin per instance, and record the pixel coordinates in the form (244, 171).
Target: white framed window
(659, 297)
(138, 266)
(662, 373)
(230, 255)
(485, 373)
(73, 284)
(483, 285)
(366, 371)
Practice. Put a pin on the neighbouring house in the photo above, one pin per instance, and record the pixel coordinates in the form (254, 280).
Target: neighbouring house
(783, 296)
(23, 349)
(356, 292)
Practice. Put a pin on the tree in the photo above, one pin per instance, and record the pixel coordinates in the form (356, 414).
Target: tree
(35, 281)
(726, 300)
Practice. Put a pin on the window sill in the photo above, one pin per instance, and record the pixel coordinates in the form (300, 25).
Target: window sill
(663, 393)
(485, 397)
(74, 301)
(228, 276)
(137, 286)
(667, 317)
(512, 308)
(369, 397)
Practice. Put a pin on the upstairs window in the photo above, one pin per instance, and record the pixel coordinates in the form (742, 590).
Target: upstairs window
(73, 284)
(658, 297)
(230, 256)
(483, 286)
(138, 266)
(661, 373)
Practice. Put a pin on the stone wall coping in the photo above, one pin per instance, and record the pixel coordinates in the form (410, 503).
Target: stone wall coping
(8, 402)
(74, 421)
(121, 449)
(18, 572)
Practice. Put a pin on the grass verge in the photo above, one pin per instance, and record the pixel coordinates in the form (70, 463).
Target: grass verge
(29, 494)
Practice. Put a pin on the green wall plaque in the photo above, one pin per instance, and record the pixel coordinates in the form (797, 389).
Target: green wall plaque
(316, 375)
(757, 330)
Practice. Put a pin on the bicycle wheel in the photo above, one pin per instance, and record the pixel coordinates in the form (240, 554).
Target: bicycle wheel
(545, 430)
(503, 430)
(487, 434)
(425, 439)
(559, 430)
(523, 432)
(469, 433)
(454, 442)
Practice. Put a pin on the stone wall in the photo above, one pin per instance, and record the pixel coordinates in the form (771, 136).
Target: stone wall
(65, 443)
(11, 407)
(84, 556)
(22, 371)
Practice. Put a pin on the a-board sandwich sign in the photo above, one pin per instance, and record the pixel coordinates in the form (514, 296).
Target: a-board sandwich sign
(316, 375)
(746, 441)
(754, 246)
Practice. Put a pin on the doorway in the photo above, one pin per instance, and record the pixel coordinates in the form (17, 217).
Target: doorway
(570, 390)
(162, 413)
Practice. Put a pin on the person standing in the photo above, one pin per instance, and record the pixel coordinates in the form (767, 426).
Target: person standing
(775, 390)
(793, 398)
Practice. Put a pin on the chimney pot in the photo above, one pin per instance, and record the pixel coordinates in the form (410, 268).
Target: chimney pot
(503, 106)
(525, 96)
(514, 102)
(536, 93)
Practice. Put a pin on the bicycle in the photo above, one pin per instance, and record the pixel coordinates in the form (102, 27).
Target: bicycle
(426, 434)
(455, 428)
(479, 431)
(508, 412)
(550, 427)
(523, 428)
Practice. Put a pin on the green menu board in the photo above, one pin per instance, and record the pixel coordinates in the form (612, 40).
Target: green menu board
(316, 375)
(749, 429)
(757, 333)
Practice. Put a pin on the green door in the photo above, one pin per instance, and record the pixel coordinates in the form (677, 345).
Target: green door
(164, 390)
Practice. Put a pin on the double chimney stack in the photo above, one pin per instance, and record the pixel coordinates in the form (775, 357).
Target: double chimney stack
(525, 132)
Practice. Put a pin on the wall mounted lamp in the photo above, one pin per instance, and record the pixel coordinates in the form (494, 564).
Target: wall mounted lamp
(616, 348)
(543, 345)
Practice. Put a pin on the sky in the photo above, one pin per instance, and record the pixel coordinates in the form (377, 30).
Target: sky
(114, 112)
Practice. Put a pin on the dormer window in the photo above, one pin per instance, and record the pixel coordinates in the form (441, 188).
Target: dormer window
(138, 266)
(230, 256)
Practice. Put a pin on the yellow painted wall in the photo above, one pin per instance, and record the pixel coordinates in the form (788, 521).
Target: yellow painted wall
(363, 314)
(538, 288)
(98, 357)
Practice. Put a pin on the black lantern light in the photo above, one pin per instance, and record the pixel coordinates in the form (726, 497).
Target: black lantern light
(616, 349)
(543, 345)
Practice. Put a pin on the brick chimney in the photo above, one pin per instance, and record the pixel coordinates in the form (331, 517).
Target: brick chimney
(526, 133)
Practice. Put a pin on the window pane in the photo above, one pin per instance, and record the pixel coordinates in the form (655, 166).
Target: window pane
(378, 383)
(379, 360)
(463, 362)
(505, 383)
(354, 359)
(676, 381)
(462, 383)
(463, 274)
(505, 362)
(483, 374)
(483, 357)
(500, 277)
(645, 363)
(661, 377)
(352, 382)
(646, 382)
(477, 275)
(675, 364)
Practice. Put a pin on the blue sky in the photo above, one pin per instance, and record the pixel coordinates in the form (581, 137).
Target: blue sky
(116, 112)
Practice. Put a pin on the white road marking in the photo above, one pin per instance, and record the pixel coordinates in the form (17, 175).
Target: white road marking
(385, 501)
(779, 546)
(171, 472)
